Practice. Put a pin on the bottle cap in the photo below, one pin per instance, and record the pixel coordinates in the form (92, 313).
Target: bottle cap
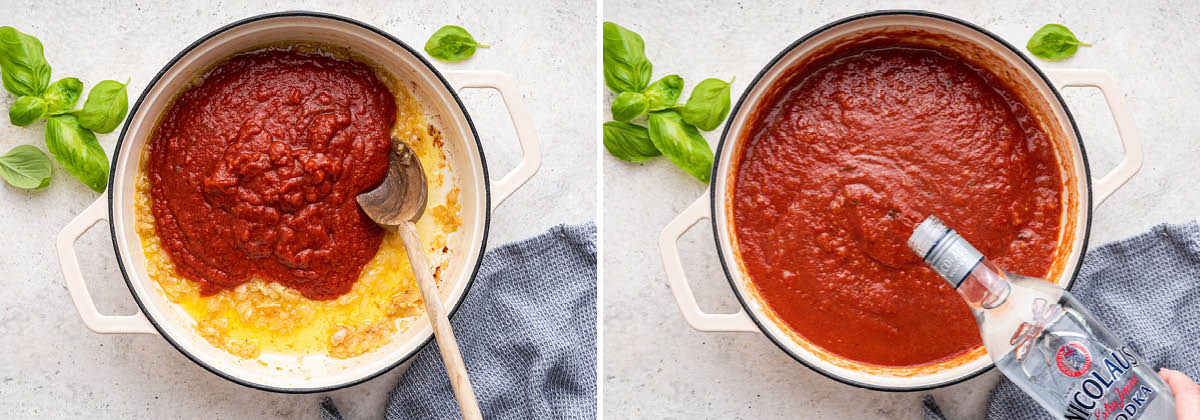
(927, 234)
(944, 250)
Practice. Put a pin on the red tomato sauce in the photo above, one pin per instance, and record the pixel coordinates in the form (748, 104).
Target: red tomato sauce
(848, 158)
(254, 172)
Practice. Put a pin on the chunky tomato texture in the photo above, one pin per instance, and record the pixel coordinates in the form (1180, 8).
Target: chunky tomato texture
(254, 172)
(849, 157)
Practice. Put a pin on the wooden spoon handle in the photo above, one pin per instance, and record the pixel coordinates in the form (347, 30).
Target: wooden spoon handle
(455, 368)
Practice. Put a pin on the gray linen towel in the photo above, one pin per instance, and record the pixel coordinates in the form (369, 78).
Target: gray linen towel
(527, 332)
(1146, 289)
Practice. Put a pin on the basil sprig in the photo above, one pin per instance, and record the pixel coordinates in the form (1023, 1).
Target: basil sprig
(59, 97)
(70, 134)
(674, 129)
(63, 94)
(1054, 42)
(452, 43)
(663, 93)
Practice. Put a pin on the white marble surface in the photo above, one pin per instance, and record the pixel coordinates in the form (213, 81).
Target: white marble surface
(51, 366)
(655, 366)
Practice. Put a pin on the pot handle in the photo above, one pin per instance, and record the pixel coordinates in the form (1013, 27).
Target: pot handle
(95, 321)
(1130, 142)
(668, 246)
(531, 150)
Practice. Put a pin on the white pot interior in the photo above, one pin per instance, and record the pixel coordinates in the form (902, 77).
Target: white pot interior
(980, 48)
(284, 372)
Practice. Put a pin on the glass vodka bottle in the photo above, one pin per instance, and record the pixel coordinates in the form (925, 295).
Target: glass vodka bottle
(1043, 340)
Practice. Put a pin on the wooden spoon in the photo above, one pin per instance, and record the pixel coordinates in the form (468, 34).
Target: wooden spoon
(398, 203)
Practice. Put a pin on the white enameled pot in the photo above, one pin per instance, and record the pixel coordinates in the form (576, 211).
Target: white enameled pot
(1038, 88)
(435, 90)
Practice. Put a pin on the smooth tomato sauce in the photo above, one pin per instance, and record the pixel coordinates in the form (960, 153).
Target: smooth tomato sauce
(254, 172)
(848, 158)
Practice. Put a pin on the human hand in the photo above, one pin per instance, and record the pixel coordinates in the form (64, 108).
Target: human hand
(1187, 394)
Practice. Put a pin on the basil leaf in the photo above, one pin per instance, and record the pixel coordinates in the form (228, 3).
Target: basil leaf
(26, 109)
(76, 149)
(681, 143)
(26, 167)
(629, 142)
(1054, 42)
(62, 95)
(452, 43)
(709, 104)
(663, 93)
(626, 68)
(629, 105)
(23, 67)
(105, 107)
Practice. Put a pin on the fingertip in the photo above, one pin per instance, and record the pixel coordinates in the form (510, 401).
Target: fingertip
(1168, 376)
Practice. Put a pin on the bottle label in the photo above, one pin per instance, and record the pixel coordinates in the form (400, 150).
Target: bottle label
(1073, 359)
(1107, 389)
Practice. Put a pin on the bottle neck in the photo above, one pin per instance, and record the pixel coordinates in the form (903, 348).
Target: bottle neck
(981, 283)
(985, 287)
